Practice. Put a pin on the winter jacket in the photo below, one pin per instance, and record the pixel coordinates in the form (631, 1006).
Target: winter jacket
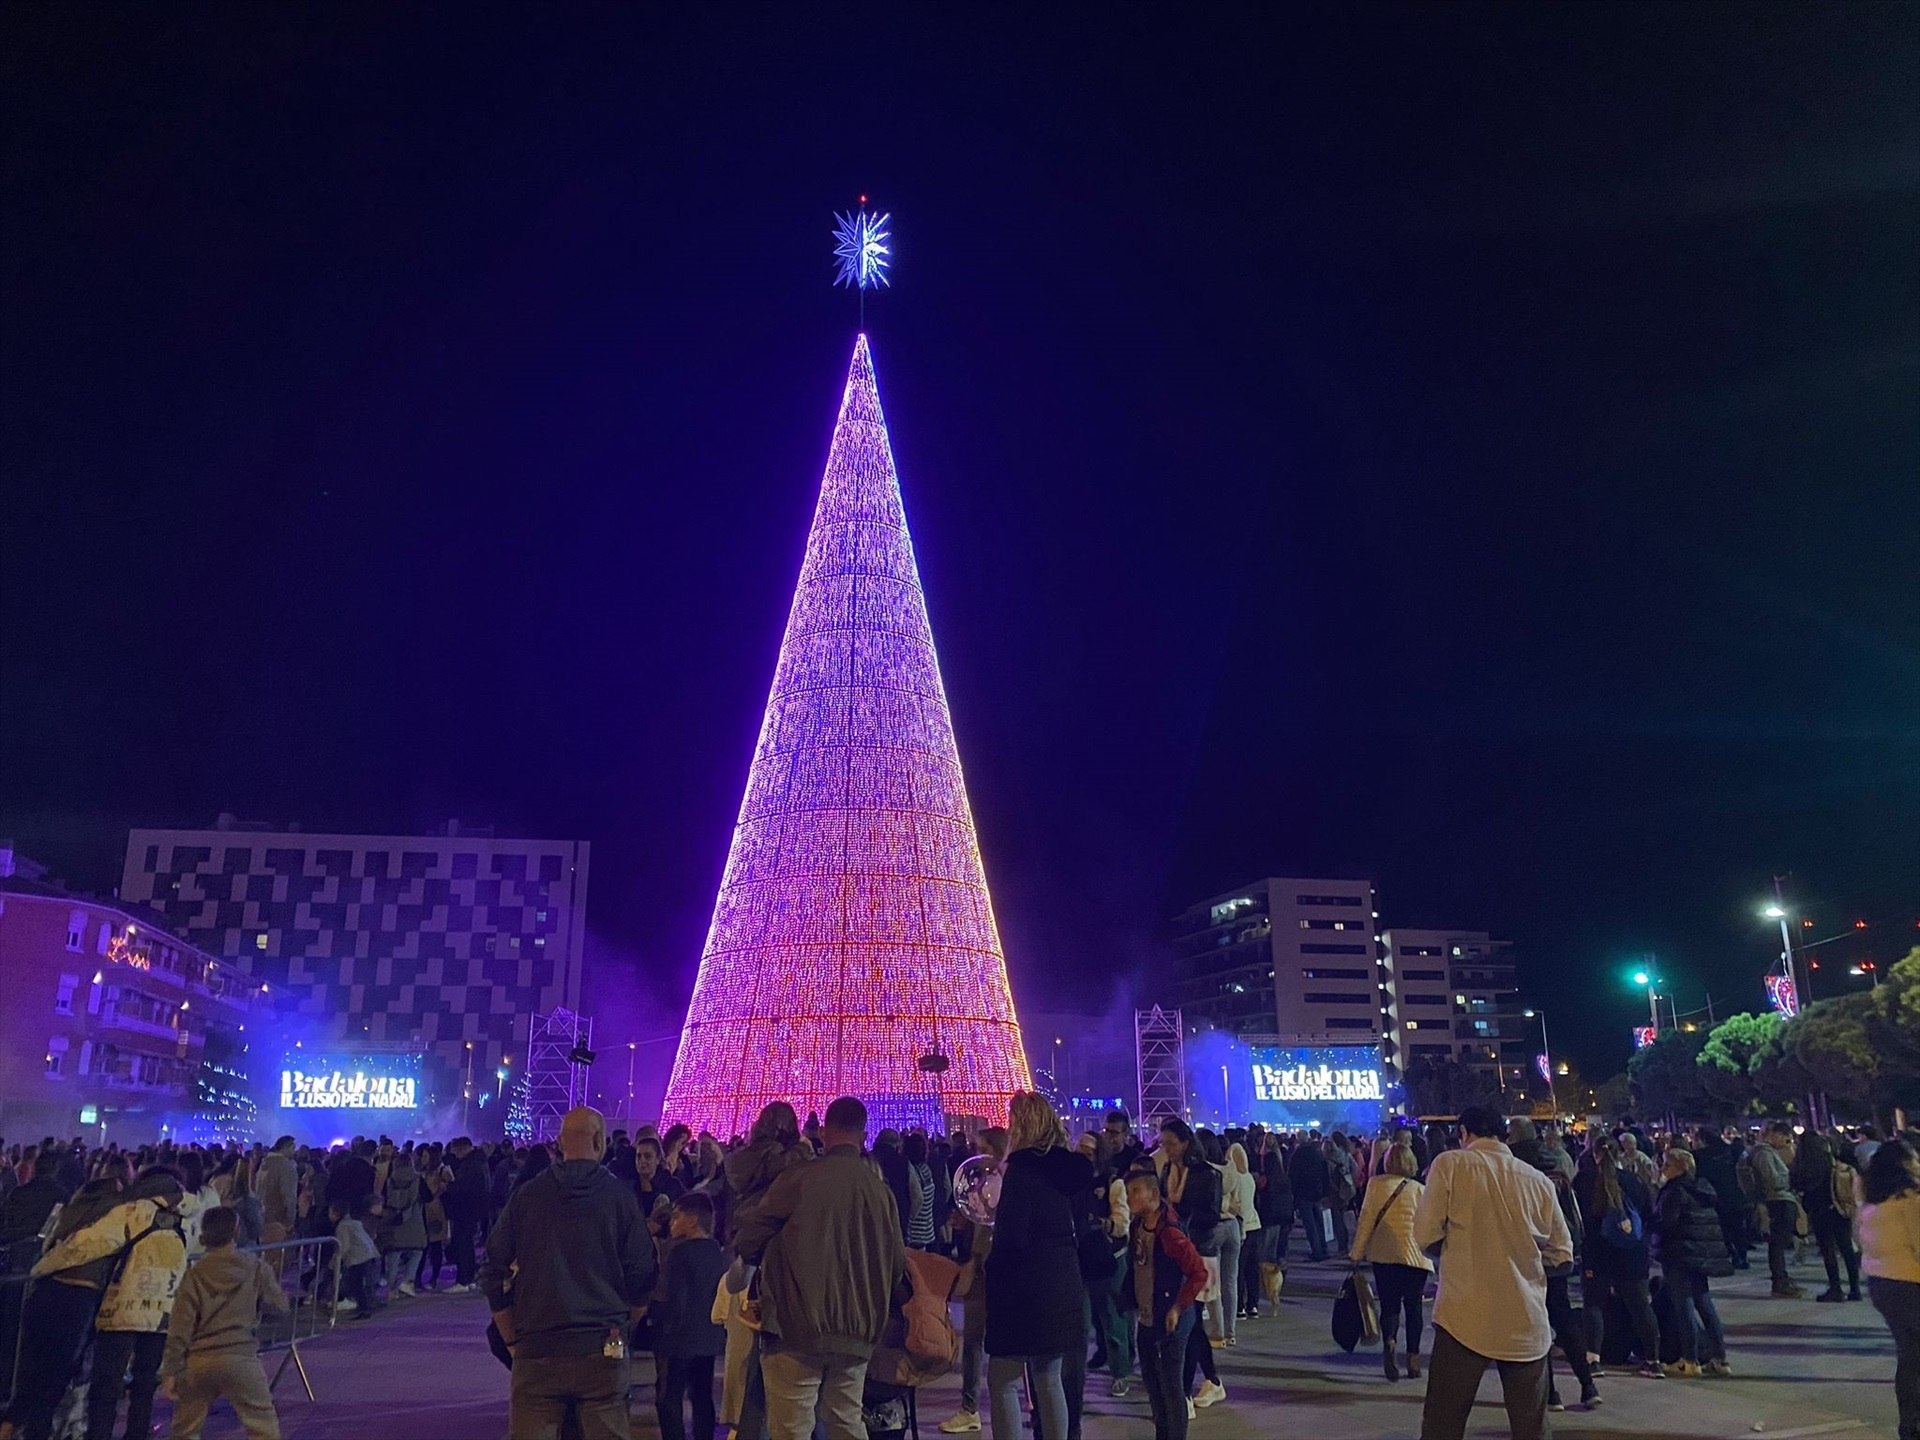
(1386, 1223)
(1307, 1169)
(1716, 1164)
(1034, 1289)
(1812, 1175)
(218, 1307)
(141, 1298)
(405, 1221)
(578, 1258)
(751, 1172)
(1179, 1271)
(349, 1180)
(467, 1195)
(1686, 1232)
(827, 1239)
(279, 1184)
(1272, 1190)
(26, 1210)
(1769, 1173)
(1198, 1208)
(682, 1323)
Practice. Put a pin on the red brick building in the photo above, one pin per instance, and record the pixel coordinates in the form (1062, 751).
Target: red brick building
(108, 1020)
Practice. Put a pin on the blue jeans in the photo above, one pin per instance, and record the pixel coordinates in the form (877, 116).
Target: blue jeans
(1162, 1361)
(1004, 1373)
(973, 1350)
(1313, 1219)
(1690, 1295)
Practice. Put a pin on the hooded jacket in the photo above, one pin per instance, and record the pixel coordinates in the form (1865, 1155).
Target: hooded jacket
(1686, 1231)
(405, 1221)
(218, 1307)
(751, 1172)
(583, 1257)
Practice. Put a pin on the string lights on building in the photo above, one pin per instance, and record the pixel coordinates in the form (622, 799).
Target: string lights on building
(853, 948)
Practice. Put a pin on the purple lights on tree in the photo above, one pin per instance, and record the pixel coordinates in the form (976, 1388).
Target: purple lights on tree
(853, 934)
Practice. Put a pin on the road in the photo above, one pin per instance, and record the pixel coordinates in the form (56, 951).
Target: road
(420, 1371)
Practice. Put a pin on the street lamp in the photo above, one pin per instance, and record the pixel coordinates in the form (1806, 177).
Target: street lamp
(1652, 983)
(1546, 1049)
(1867, 967)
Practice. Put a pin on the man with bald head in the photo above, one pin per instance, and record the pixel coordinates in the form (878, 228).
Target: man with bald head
(585, 1264)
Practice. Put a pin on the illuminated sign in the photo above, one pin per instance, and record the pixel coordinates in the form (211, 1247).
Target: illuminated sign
(1312, 1087)
(1643, 1036)
(381, 1083)
(1316, 1082)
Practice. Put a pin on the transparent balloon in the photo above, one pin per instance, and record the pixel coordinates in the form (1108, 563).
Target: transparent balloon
(976, 1188)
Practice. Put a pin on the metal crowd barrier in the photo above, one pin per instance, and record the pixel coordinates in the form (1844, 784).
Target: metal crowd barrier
(308, 1270)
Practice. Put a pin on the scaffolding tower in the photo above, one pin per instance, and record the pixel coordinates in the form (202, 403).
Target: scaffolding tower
(1160, 1057)
(556, 1082)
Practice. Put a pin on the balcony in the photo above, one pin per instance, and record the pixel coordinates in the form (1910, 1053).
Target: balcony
(111, 1019)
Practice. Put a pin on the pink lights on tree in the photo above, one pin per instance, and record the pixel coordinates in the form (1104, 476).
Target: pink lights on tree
(853, 934)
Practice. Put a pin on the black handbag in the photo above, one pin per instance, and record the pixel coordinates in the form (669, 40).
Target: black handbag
(1349, 1324)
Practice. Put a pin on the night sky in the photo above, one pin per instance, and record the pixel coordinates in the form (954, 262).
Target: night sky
(1473, 448)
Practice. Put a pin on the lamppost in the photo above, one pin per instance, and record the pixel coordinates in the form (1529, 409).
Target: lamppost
(627, 1114)
(1867, 967)
(1652, 984)
(1778, 911)
(466, 1093)
(1546, 1049)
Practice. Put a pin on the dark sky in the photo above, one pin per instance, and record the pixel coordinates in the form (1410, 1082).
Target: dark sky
(1474, 448)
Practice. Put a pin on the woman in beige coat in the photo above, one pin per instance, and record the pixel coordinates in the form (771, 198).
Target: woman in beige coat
(1383, 1237)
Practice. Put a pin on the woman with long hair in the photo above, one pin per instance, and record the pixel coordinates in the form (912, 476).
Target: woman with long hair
(1890, 1242)
(1238, 1221)
(1618, 1212)
(1036, 1300)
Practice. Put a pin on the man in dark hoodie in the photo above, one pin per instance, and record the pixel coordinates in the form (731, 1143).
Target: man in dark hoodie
(1307, 1170)
(465, 1202)
(569, 1265)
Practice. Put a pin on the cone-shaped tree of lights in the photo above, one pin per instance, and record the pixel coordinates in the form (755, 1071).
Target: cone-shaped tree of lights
(853, 935)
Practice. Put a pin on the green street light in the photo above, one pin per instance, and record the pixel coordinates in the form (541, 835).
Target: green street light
(1641, 977)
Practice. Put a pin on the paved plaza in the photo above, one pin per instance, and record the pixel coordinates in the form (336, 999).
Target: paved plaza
(420, 1371)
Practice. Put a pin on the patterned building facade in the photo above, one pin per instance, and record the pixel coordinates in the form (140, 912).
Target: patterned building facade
(435, 943)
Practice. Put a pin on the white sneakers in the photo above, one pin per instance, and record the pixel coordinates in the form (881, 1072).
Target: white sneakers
(405, 1287)
(961, 1422)
(1211, 1392)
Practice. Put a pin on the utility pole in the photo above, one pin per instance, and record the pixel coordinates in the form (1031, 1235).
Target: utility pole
(1796, 971)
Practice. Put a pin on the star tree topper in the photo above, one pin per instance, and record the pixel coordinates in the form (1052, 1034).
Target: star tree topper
(861, 248)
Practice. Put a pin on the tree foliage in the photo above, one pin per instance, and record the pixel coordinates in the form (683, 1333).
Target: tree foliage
(1614, 1096)
(1666, 1075)
(1446, 1087)
(1726, 1060)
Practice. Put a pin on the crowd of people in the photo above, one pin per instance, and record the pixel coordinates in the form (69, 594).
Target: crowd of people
(797, 1281)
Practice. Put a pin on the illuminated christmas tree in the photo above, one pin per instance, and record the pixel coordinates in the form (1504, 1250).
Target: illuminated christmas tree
(853, 948)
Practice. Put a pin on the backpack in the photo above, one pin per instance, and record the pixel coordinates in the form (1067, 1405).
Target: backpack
(1623, 1227)
(1841, 1184)
(919, 1344)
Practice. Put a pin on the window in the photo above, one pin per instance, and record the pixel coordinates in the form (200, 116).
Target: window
(63, 994)
(105, 938)
(260, 941)
(1335, 997)
(1341, 1022)
(153, 859)
(1423, 999)
(76, 926)
(1348, 901)
(1424, 952)
(1312, 974)
(1423, 975)
(1333, 950)
(57, 1055)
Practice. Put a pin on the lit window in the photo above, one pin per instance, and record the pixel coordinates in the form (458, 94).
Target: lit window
(1413, 1024)
(57, 1055)
(260, 942)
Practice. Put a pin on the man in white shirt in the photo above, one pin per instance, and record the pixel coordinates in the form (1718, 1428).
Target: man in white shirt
(1495, 1226)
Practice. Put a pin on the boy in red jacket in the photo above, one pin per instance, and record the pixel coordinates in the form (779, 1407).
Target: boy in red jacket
(1165, 1276)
